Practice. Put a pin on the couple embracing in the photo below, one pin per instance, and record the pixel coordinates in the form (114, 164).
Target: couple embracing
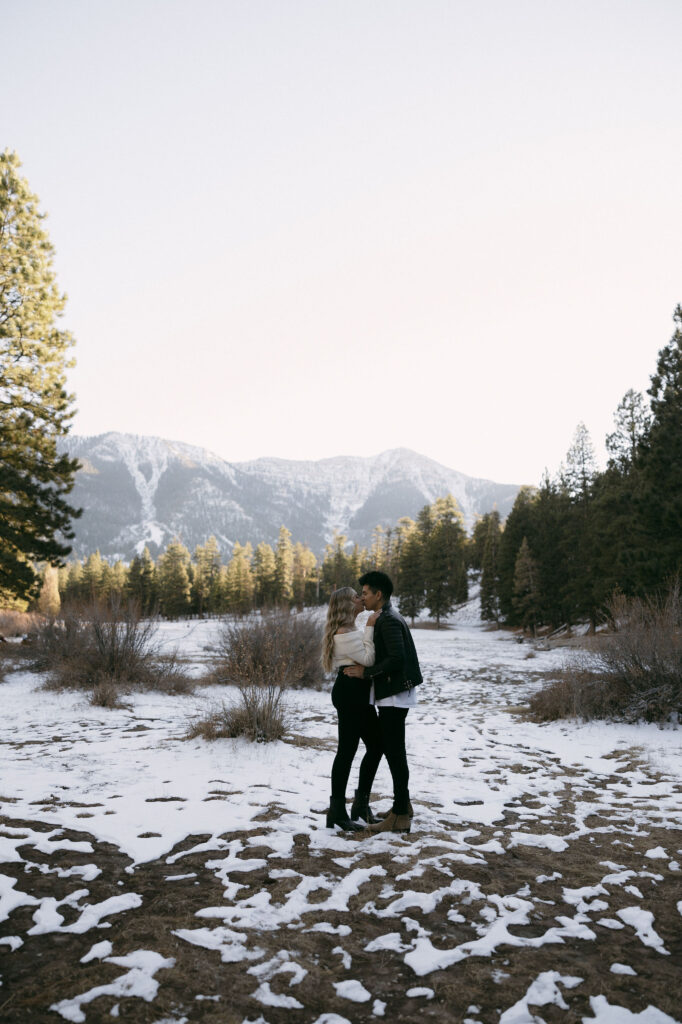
(377, 673)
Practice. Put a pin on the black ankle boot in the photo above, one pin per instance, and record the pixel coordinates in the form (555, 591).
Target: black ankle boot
(336, 815)
(361, 809)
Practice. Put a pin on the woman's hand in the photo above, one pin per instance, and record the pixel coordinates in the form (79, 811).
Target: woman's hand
(373, 618)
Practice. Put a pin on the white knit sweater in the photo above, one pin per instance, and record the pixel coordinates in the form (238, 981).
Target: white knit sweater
(353, 648)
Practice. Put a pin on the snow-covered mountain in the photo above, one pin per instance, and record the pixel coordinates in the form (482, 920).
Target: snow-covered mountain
(144, 490)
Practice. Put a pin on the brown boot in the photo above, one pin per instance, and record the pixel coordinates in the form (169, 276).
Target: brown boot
(391, 823)
(410, 811)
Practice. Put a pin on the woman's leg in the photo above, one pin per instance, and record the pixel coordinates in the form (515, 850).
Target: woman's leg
(349, 738)
(370, 734)
(392, 726)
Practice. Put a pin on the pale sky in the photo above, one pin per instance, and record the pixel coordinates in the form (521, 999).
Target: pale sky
(305, 228)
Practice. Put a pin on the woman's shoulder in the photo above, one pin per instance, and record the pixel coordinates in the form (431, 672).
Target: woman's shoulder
(344, 629)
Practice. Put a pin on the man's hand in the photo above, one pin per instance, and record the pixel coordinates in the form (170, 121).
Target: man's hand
(356, 671)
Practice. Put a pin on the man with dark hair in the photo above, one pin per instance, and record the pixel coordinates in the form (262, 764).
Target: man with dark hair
(394, 675)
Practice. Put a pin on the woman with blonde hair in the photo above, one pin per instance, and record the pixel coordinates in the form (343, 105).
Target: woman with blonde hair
(343, 645)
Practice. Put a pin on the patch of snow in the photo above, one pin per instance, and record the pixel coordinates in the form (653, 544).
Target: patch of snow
(353, 990)
(543, 991)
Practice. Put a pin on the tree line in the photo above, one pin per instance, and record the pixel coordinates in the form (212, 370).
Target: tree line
(568, 545)
(428, 559)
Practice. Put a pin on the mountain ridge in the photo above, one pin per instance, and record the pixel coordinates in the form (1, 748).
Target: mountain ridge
(137, 489)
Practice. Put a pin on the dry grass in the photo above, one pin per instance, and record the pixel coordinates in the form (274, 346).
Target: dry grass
(635, 672)
(259, 716)
(103, 646)
(279, 648)
(14, 623)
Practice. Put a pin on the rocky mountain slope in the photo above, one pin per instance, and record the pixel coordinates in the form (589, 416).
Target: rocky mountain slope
(144, 490)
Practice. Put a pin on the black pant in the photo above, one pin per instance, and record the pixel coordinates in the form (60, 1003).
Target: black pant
(392, 728)
(357, 720)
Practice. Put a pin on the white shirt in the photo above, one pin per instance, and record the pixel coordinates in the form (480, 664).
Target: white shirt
(353, 647)
(405, 699)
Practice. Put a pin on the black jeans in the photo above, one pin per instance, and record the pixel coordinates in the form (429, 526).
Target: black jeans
(357, 720)
(392, 728)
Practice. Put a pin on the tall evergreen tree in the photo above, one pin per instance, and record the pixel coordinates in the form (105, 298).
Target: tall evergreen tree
(409, 579)
(304, 583)
(520, 523)
(284, 567)
(526, 588)
(206, 571)
(631, 421)
(661, 464)
(338, 568)
(579, 533)
(92, 577)
(264, 575)
(141, 583)
(445, 558)
(490, 569)
(174, 586)
(35, 408)
(239, 581)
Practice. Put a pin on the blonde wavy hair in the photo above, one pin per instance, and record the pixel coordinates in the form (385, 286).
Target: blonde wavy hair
(341, 612)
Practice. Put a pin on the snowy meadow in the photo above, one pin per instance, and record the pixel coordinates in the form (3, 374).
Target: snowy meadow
(160, 879)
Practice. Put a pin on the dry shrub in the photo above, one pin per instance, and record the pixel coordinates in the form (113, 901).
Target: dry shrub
(280, 648)
(13, 623)
(259, 716)
(105, 644)
(635, 674)
(106, 694)
(263, 656)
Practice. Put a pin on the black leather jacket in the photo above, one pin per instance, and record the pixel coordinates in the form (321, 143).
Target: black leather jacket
(396, 667)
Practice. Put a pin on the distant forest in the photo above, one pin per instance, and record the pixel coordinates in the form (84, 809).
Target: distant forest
(566, 547)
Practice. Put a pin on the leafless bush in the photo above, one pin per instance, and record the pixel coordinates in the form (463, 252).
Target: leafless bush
(280, 648)
(13, 623)
(97, 644)
(634, 674)
(259, 716)
(106, 694)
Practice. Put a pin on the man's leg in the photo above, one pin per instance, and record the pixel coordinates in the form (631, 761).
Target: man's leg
(392, 725)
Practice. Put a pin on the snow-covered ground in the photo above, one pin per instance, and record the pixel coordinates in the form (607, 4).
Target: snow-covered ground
(543, 866)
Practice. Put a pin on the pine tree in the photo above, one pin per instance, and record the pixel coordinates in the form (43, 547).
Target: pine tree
(173, 576)
(661, 465)
(409, 579)
(526, 588)
(521, 522)
(141, 582)
(579, 540)
(35, 409)
(445, 558)
(551, 509)
(284, 567)
(206, 570)
(239, 581)
(73, 589)
(580, 467)
(92, 577)
(632, 419)
(338, 568)
(490, 569)
(304, 582)
(264, 575)
(476, 544)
